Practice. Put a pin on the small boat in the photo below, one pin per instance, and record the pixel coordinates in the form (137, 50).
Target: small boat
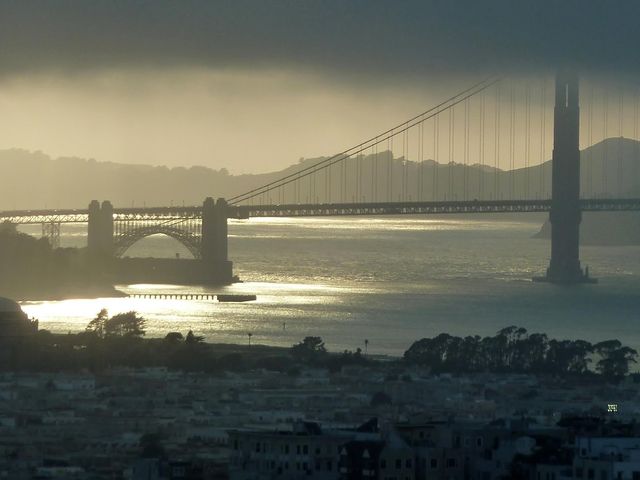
(236, 298)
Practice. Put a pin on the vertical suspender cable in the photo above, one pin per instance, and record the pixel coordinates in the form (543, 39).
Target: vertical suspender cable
(496, 178)
(452, 122)
(512, 142)
(375, 175)
(421, 160)
(527, 133)
(326, 198)
(436, 136)
(620, 142)
(482, 142)
(403, 186)
(407, 167)
(605, 145)
(543, 137)
(466, 150)
(636, 158)
(390, 170)
(589, 150)
(374, 156)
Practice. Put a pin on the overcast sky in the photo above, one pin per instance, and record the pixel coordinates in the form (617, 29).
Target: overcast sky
(252, 85)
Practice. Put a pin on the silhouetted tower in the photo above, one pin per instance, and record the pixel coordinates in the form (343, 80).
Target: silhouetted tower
(565, 213)
(100, 229)
(214, 240)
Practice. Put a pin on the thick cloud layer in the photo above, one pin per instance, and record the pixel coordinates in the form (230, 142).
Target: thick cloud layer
(253, 85)
(410, 37)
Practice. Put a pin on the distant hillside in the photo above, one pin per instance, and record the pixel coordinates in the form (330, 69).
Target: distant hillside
(34, 180)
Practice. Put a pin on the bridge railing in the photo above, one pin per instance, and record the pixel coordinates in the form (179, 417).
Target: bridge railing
(327, 209)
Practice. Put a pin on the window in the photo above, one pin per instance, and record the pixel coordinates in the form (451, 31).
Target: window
(591, 474)
(579, 472)
(298, 449)
(451, 462)
(408, 463)
(434, 463)
(479, 442)
(383, 464)
(329, 465)
(258, 447)
(305, 449)
(286, 448)
(398, 464)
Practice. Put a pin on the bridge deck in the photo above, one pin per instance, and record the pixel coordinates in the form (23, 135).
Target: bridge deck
(315, 210)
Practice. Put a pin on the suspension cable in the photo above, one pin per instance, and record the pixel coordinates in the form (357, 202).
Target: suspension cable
(325, 163)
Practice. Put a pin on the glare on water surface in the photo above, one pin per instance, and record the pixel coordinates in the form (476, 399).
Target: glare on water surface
(413, 276)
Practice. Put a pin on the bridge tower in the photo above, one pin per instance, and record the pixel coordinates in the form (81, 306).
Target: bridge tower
(565, 215)
(100, 230)
(214, 245)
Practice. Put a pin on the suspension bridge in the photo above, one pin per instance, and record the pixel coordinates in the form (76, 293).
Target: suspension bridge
(496, 137)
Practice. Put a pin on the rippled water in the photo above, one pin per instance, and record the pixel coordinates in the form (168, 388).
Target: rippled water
(390, 280)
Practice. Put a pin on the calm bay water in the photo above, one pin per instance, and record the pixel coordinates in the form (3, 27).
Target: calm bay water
(390, 280)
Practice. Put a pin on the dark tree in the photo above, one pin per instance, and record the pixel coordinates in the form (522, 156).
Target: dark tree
(614, 359)
(512, 349)
(174, 338)
(97, 325)
(311, 348)
(193, 339)
(129, 325)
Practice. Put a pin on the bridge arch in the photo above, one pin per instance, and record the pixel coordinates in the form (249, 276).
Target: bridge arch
(126, 240)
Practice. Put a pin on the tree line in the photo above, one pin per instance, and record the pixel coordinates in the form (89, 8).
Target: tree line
(514, 350)
(117, 340)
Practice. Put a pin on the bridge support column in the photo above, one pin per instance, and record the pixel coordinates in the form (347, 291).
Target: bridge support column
(215, 241)
(565, 215)
(100, 230)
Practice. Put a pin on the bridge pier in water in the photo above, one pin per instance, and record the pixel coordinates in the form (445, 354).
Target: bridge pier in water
(211, 265)
(215, 238)
(100, 230)
(565, 215)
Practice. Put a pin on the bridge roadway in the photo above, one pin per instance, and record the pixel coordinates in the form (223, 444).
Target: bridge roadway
(24, 217)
